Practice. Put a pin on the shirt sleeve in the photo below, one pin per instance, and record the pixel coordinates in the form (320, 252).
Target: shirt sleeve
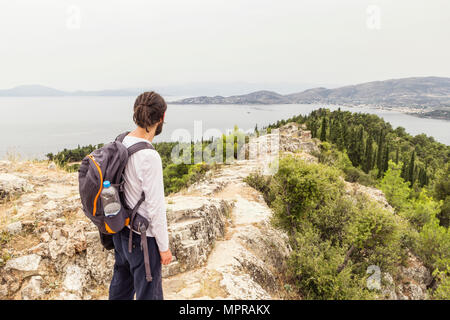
(154, 204)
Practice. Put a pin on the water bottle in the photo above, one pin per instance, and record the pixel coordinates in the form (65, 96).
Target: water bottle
(110, 199)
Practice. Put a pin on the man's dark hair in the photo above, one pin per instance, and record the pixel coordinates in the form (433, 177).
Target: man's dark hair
(149, 108)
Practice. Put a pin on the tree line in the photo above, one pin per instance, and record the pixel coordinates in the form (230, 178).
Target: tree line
(370, 143)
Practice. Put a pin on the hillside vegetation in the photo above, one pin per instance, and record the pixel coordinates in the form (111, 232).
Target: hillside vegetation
(336, 238)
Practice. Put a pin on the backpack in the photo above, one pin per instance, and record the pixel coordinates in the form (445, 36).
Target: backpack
(108, 163)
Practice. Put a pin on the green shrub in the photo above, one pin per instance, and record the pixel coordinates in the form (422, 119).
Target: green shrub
(179, 176)
(443, 290)
(313, 267)
(376, 234)
(434, 245)
(353, 174)
(335, 238)
(330, 155)
(300, 188)
(395, 189)
(421, 210)
(261, 183)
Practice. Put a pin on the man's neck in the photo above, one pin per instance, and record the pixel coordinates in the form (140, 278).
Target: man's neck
(141, 133)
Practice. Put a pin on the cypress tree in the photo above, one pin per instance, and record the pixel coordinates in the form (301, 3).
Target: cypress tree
(411, 168)
(380, 153)
(323, 130)
(333, 131)
(360, 146)
(403, 173)
(339, 136)
(345, 135)
(314, 129)
(396, 155)
(352, 147)
(386, 159)
(422, 177)
(368, 155)
(374, 159)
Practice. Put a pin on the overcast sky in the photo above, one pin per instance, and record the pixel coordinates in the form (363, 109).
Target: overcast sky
(110, 44)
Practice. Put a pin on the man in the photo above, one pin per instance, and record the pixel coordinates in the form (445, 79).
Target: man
(143, 173)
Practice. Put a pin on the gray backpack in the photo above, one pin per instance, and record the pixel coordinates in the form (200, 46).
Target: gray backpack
(108, 163)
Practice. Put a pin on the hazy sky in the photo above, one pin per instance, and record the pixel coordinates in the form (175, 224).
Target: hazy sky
(108, 44)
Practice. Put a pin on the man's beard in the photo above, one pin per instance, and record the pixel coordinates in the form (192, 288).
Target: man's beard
(159, 129)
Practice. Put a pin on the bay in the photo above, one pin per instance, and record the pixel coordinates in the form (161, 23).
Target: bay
(31, 127)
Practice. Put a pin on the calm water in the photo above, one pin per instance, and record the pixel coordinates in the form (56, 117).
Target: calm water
(33, 127)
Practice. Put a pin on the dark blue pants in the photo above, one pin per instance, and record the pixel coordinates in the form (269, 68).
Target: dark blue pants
(129, 269)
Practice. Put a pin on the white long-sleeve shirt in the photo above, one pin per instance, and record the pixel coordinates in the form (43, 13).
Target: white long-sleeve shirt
(144, 173)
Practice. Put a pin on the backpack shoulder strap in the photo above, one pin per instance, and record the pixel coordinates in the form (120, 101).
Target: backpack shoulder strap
(135, 147)
(138, 147)
(122, 136)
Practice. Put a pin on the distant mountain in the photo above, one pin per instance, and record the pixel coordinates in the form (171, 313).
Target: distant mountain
(179, 90)
(43, 91)
(119, 92)
(258, 97)
(419, 92)
(32, 90)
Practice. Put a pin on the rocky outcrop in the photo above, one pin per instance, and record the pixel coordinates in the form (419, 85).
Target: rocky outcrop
(375, 194)
(52, 251)
(12, 185)
(194, 224)
(411, 283)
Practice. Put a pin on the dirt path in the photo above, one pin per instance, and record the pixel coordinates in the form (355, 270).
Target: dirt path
(222, 276)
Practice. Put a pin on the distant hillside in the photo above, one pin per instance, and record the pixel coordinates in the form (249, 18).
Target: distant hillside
(31, 90)
(179, 90)
(435, 114)
(43, 91)
(420, 92)
(258, 97)
(409, 92)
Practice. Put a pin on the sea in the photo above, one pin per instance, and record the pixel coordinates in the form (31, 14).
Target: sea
(31, 127)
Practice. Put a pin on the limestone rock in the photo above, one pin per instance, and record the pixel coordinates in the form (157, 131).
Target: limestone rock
(51, 205)
(45, 237)
(50, 216)
(68, 296)
(24, 263)
(414, 280)
(170, 269)
(3, 291)
(372, 193)
(194, 224)
(416, 270)
(242, 286)
(388, 287)
(32, 290)
(40, 249)
(99, 262)
(57, 248)
(11, 185)
(74, 279)
(14, 228)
